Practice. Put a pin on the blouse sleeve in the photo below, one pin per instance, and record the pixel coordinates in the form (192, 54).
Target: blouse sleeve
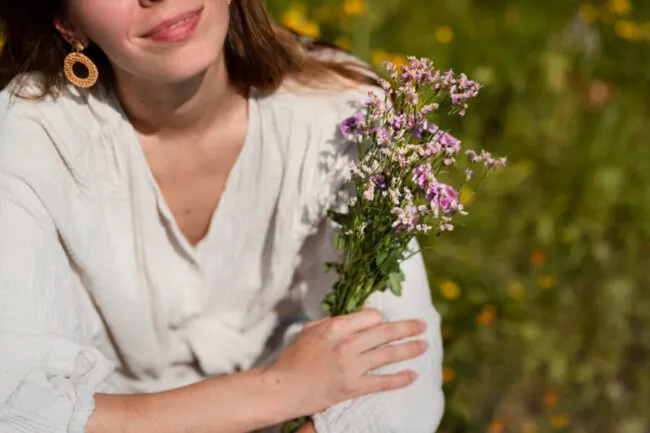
(415, 409)
(48, 371)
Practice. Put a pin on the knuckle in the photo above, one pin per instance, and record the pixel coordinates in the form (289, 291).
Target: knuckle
(334, 327)
(343, 348)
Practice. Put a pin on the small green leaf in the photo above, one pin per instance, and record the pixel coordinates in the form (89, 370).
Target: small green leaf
(381, 257)
(329, 266)
(389, 262)
(329, 302)
(395, 282)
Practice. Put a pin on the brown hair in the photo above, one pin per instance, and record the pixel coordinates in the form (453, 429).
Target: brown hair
(259, 52)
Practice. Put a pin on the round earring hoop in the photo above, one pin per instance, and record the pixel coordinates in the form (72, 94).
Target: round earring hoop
(77, 57)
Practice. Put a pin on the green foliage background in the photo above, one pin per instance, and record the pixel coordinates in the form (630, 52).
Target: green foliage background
(544, 294)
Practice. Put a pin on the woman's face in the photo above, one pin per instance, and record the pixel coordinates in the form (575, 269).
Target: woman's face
(161, 40)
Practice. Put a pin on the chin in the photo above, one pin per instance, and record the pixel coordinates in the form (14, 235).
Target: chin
(187, 64)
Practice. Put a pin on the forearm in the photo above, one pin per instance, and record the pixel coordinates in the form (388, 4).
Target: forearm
(236, 403)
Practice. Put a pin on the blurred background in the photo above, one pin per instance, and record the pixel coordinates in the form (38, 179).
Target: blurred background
(544, 294)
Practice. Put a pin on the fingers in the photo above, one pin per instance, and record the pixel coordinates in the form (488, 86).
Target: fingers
(352, 323)
(386, 333)
(386, 382)
(392, 354)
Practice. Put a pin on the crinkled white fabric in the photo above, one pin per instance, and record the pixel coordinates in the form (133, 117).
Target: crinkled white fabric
(100, 292)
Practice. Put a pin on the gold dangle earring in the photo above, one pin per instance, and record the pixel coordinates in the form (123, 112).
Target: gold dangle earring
(75, 58)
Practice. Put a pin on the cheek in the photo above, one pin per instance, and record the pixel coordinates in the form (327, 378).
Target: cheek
(106, 23)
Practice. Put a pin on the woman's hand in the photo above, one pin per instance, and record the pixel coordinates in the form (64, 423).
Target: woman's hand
(327, 362)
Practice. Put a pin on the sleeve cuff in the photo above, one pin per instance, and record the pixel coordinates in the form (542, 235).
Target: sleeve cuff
(83, 410)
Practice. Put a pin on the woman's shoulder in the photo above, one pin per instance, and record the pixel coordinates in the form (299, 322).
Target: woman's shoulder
(22, 100)
(319, 100)
(316, 107)
(34, 127)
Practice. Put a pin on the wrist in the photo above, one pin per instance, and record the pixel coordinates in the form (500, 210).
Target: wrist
(276, 391)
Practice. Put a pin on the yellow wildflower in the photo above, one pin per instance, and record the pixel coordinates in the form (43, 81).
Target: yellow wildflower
(448, 375)
(444, 35)
(399, 59)
(559, 421)
(354, 8)
(293, 17)
(621, 7)
(487, 315)
(547, 281)
(628, 30)
(588, 12)
(310, 29)
(449, 289)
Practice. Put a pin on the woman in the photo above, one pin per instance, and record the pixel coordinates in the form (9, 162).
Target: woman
(161, 226)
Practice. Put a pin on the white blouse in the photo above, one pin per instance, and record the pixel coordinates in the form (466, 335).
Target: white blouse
(100, 291)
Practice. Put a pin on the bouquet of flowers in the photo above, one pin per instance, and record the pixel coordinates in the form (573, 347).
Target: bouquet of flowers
(405, 182)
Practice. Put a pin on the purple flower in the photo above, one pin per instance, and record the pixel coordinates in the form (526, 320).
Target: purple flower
(382, 135)
(448, 141)
(422, 176)
(379, 180)
(442, 196)
(349, 126)
(429, 108)
(448, 199)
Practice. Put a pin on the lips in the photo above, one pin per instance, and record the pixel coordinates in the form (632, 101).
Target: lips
(173, 24)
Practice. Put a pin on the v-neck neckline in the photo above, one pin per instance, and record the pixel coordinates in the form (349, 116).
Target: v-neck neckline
(193, 251)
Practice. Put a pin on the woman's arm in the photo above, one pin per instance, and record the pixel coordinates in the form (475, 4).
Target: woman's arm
(236, 403)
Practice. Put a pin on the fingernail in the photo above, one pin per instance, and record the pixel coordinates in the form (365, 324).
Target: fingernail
(413, 375)
(423, 325)
(424, 345)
